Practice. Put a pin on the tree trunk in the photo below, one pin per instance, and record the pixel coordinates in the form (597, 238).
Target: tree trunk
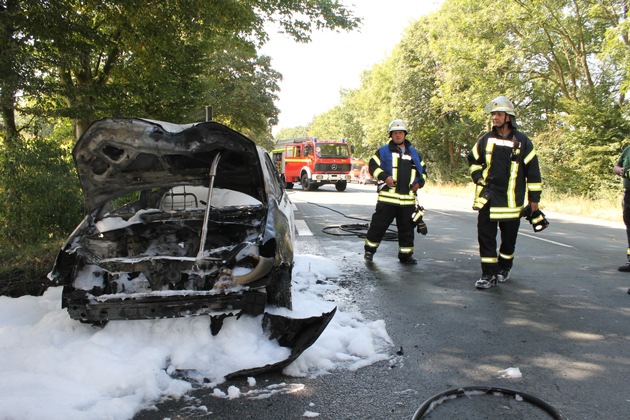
(11, 134)
(80, 125)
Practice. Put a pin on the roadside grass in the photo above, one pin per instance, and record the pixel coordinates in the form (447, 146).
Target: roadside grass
(607, 206)
(24, 271)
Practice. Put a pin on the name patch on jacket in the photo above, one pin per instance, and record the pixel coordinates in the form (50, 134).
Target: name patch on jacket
(501, 142)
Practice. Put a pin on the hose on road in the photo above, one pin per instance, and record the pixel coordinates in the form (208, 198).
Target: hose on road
(468, 391)
(354, 229)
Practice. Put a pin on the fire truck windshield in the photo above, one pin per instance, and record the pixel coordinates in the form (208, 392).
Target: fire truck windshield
(332, 150)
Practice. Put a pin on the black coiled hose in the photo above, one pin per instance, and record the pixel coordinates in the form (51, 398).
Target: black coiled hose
(357, 229)
(437, 399)
(354, 229)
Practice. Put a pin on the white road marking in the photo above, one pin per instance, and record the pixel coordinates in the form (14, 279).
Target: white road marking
(546, 240)
(302, 229)
(520, 232)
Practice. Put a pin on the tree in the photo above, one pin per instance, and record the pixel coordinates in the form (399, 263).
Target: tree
(328, 125)
(428, 94)
(546, 56)
(578, 87)
(616, 46)
(19, 30)
(79, 60)
(368, 110)
(106, 58)
(291, 133)
(341, 123)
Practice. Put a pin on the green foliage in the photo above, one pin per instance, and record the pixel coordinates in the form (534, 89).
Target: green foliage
(77, 61)
(328, 126)
(564, 64)
(241, 91)
(290, 133)
(373, 103)
(40, 198)
(24, 271)
(560, 170)
(440, 130)
(164, 60)
(364, 114)
(66, 63)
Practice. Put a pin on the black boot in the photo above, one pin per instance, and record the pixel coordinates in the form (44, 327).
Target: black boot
(408, 259)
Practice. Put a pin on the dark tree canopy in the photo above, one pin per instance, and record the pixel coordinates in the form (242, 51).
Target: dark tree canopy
(86, 59)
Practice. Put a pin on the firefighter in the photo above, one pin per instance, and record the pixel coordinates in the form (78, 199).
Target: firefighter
(622, 169)
(504, 167)
(400, 172)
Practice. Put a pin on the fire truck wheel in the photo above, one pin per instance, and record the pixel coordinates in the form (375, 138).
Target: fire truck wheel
(307, 185)
(289, 185)
(341, 185)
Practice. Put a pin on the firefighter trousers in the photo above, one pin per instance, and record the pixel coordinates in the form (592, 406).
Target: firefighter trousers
(626, 216)
(487, 230)
(383, 216)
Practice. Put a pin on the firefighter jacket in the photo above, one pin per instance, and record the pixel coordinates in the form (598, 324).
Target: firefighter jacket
(624, 162)
(406, 168)
(504, 169)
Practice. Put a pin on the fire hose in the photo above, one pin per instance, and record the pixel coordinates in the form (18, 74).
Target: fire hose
(360, 229)
(468, 391)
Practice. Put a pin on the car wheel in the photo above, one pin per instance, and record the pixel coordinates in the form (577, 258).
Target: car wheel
(279, 292)
(341, 185)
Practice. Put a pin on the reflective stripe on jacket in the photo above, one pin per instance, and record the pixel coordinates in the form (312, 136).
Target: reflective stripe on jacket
(507, 168)
(405, 168)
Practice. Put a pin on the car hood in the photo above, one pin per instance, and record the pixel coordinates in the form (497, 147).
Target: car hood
(116, 156)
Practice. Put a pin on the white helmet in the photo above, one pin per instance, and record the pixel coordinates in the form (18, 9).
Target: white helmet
(502, 104)
(397, 125)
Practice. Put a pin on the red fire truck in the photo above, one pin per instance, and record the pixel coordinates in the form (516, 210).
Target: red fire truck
(312, 162)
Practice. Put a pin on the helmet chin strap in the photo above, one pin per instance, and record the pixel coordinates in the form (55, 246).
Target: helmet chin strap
(505, 121)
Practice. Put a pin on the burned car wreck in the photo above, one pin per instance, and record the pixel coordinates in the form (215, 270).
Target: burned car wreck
(181, 220)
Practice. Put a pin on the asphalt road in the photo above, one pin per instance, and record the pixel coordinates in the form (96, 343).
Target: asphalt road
(562, 320)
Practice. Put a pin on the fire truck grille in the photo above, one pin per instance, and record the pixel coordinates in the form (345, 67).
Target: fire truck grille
(337, 168)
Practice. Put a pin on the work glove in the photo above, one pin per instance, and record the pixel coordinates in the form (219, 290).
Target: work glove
(536, 218)
(421, 227)
(416, 217)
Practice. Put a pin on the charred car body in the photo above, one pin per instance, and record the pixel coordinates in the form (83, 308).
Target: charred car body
(180, 220)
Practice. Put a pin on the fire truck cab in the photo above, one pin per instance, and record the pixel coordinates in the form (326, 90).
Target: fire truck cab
(312, 162)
